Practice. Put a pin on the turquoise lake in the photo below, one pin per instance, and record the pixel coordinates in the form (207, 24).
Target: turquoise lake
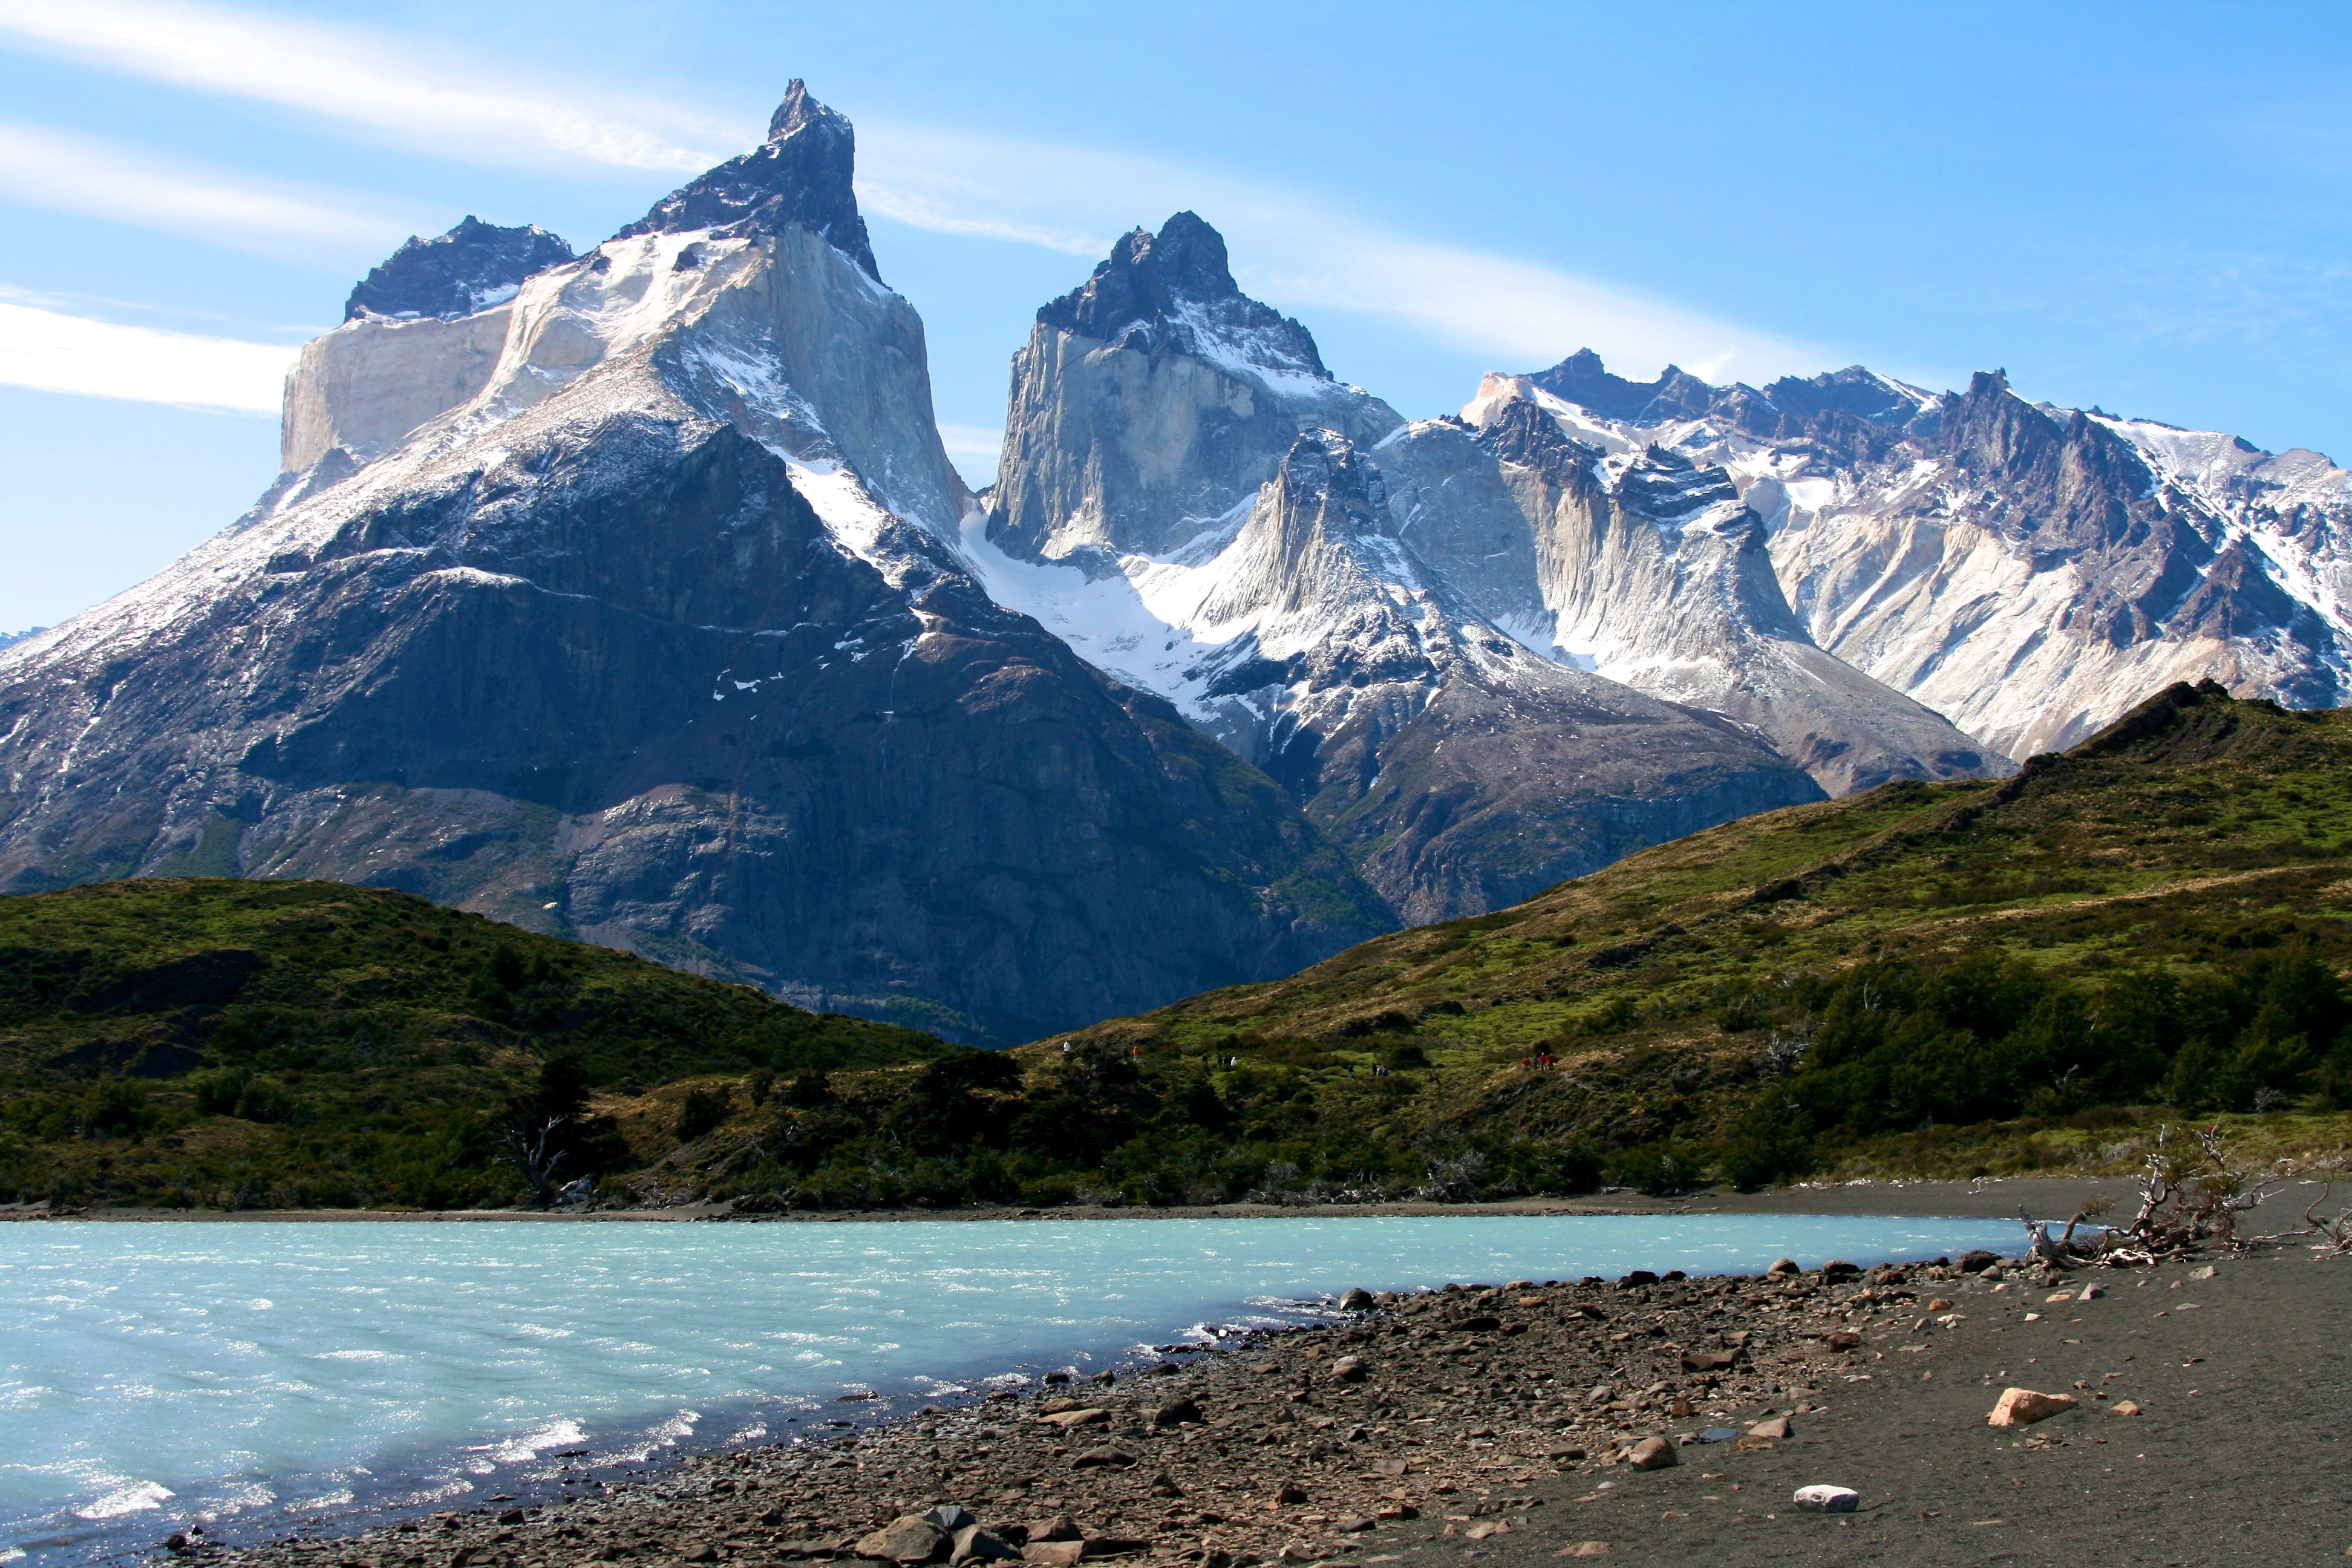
(261, 1378)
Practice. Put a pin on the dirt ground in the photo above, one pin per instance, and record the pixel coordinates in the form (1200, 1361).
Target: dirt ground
(2239, 1456)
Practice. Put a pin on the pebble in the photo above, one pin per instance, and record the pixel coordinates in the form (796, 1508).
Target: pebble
(1216, 1465)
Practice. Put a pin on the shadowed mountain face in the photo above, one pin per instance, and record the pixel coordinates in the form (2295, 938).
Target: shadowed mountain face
(801, 176)
(650, 633)
(473, 266)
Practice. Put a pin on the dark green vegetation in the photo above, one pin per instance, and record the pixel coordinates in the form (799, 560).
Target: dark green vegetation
(1948, 978)
(1939, 979)
(219, 1043)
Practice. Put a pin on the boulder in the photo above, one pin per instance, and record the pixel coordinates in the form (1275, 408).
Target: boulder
(1636, 1278)
(1828, 1500)
(1708, 1361)
(1349, 1369)
(973, 1544)
(1839, 1268)
(1977, 1262)
(1177, 1413)
(1053, 1553)
(1356, 1301)
(1653, 1454)
(910, 1538)
(1783, 1266)
(1061, 1527)
(1773, 1430)
(1068, 1420)
(2024, 1406)
(1290, 1494)
(1602, 1394)
(2123, 1408)
(1106, 1455)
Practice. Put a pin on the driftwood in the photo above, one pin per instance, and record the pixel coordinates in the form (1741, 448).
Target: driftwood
(2334, 1235)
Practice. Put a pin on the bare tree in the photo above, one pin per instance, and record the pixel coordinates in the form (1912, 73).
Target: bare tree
(530, 1145)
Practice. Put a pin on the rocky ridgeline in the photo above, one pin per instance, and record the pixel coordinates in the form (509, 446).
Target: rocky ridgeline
(1412, 1418)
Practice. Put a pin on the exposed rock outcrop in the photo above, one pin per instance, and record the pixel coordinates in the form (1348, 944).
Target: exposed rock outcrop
(802, 176)
(473, 266)
(2029, 572)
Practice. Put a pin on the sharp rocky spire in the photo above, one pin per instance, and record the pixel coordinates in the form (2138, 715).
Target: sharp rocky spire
(802, 176)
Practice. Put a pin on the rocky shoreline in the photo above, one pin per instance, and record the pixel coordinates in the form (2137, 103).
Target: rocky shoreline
(1442, 1417)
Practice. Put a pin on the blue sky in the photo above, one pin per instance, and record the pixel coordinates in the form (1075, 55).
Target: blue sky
(2139, 206)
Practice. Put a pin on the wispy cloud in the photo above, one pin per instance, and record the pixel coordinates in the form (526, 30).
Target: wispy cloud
(371, 80)
(1290, 246)
(1296, 250)
(54, 351)
(72, 174)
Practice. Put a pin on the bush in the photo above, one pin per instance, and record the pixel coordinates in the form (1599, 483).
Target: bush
(702, 1110)
(116, 1108)
(1659, 1169)
(1770, 1144)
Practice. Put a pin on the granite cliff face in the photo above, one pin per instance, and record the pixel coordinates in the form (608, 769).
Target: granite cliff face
(1651, 568)
(653, 632)
(2030, 573)
(1152, 401)
(1191, 501)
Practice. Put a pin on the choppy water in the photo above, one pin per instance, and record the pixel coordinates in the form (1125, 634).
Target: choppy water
(266, 1377)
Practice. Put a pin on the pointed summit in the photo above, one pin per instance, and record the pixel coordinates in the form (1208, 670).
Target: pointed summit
(1175, 290)
(801, 175)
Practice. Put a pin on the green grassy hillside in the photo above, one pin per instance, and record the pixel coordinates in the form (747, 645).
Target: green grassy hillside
(299, 1044)
(1945, 977)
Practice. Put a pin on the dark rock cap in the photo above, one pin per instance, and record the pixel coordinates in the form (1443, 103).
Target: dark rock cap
(1155, 289)
(802, 176)
(474, 265)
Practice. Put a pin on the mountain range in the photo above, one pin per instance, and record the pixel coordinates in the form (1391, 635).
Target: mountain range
(630, 596)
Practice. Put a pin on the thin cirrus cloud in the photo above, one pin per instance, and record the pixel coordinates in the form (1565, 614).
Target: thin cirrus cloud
(1290, 248)
(48, 168)
(52, 350)
(1302, 253)
(370, 80)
